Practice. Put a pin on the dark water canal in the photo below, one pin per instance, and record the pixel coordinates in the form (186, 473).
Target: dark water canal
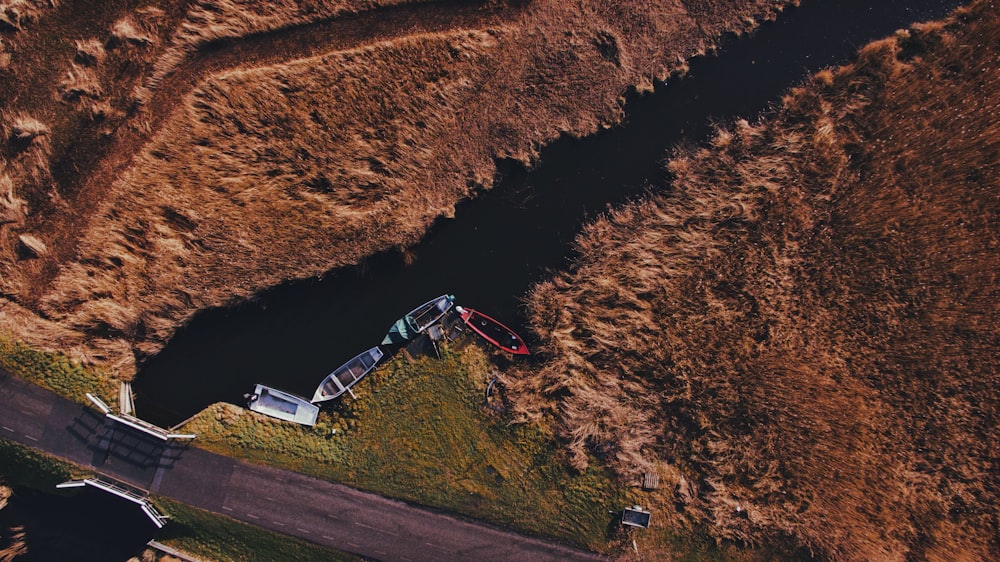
(510, 237)
(89, 526)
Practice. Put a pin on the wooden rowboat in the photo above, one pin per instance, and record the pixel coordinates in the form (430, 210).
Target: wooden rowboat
(347, 375)
(419, 319)
(493, 331)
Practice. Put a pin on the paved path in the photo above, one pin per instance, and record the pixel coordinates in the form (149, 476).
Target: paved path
(328, 514)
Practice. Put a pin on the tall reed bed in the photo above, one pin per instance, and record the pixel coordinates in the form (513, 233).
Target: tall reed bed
(802, 329)
(270, 168)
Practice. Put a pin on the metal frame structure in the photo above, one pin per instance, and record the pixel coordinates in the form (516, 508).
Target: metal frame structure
(120, 490)
(136, 423)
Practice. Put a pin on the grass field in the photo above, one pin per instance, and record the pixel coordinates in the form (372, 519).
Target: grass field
(23, 466)
(801, 330)
(56, 372)
(422, 432)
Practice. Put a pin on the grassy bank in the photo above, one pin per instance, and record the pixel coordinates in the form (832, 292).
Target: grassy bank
(56, 372)
(23, 466)
(421, 432)
(217, 537)
(801, 333)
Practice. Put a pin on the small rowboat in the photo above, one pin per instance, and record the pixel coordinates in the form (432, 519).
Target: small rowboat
(345, 376)
(493, 331)
(419, 319)
(282, 405)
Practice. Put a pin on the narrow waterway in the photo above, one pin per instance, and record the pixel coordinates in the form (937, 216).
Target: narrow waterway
(510, 237)
(85, 526)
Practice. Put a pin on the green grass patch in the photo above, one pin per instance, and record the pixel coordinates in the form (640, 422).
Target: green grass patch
(23, 466)
(218, 537)
(56, 372)
(420, 432)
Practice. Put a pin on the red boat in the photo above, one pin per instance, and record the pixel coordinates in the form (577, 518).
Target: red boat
(493, 331)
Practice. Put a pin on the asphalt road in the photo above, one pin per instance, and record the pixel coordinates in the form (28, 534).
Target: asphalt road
(286, 502)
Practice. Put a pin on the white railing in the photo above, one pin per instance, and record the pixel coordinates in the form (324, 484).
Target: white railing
(104, 408)
(136, 423)
(133, 496)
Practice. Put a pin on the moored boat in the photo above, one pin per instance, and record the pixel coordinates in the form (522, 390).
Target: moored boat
(493, 331)
(344, 377)
(282, 405)
(419, 319)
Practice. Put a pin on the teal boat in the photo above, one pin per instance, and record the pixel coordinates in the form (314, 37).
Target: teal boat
(418, 320)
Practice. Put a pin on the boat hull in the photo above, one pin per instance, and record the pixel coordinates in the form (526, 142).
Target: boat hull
(418, 320)
(283, 405)
(494, 332)
(400, 332)
(347, 375)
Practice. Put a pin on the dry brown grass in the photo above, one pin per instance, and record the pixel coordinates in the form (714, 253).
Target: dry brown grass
(294, 160)
(129, 30)
(12, 543)
(80, 82)
(15, 14)
(4, 57)
(804, 328)
(29, 146)
(27, 165)
(71, 69)
(209, 21)
(16, 544)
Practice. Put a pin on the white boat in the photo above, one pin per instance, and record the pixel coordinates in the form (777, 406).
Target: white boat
(347, 375)
(282, 405)
(419, 319)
